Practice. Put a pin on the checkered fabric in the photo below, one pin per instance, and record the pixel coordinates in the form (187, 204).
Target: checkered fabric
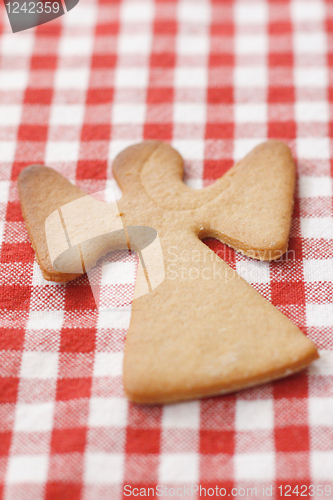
(214, 78)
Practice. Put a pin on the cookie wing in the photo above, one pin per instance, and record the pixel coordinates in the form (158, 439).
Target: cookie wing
(249, 208)
(253, 213)
(42, 191)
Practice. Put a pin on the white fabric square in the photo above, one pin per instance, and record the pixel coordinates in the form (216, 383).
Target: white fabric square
(107, 412)
(313, 148)
(244, 146)
(317, 227)
(21, 45)
(321, 411)
(131, 77)
(309, 11)
(114, 318)
(323, 365)
(319, 315)
(310, 42)
(7, 151)
(189, 112)
(36, 417)
(191, 150)
(321, 465)
(253, 271)
(103, 468)
(85, 16)
(140, 12)
(311, 186)
(188, 13)
(67, 114)
(39, 364)
(254, 466)
(10, 114)
(139, 43)
(112, 191)
(311, 111)
(72, 78)
(194, 183)
(318, 270)
(13, 79)
(4, 191)
(118, 272)
(76, 45)
(128, 113)
(251, 44)
(182, 415)
(192, 44)
(108, 364)
(251, 13)
(179, 468)
(310, 77)
(250, 76)
(38, 280)
(117, 146)
(62, 151)
(257, 414)
(27, 469)
(246, 113)
(190, 77)
(45, 320)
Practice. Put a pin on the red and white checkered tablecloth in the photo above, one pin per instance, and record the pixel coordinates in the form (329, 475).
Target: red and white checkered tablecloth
(214, 78)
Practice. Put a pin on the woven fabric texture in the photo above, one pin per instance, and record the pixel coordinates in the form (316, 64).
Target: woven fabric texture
(213, 78)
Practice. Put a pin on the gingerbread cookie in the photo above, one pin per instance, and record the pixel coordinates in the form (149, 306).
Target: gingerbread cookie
(199, 329)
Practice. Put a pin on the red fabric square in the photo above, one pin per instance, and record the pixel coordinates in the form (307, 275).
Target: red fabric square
(43, 62)
(295, 386)
(5, 439)
(11, 339)
(68, 440)
(63, 491)
(14, 212)
(73, 388)
(292, 438)
(32, 133)
(15, 297)
(99, 96)
(219, 130)
(103, 61)
(218, 59)
(8, 389)
(280, 59)
(283, 292)
(79, 297)
(159, 95)
(38, 96)
(216, 168)
(94, 133)
(91, 169)
(77, 339)
(281, 94)
(162, 60)
(280, 26)
(282, 130)
(142, 440)
(17, 252)
(217, 442)
(107, 28)
(223, 251)
(158, 131)
(220, 95)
